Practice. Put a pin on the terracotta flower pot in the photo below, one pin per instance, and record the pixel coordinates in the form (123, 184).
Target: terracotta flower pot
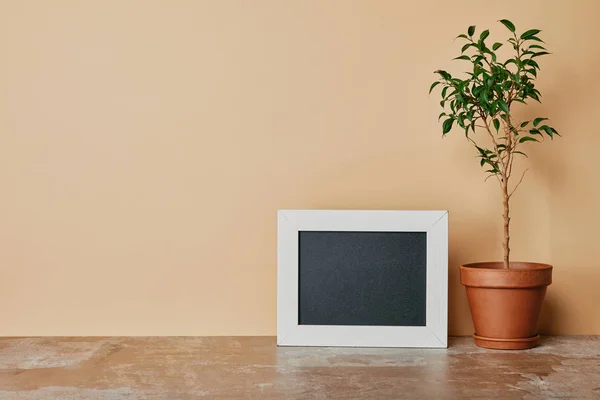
(505, 303)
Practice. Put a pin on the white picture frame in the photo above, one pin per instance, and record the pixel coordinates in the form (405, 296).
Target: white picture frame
(434, 223)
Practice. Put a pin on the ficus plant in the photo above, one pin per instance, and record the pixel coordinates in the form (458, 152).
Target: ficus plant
(481, 102)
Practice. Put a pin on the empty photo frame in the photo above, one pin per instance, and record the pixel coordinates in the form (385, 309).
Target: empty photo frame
(365, 278)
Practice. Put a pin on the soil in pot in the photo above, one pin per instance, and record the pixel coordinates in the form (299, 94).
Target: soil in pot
(506, 303)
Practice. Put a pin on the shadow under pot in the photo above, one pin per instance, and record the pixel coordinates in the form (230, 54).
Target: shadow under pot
(505, 303)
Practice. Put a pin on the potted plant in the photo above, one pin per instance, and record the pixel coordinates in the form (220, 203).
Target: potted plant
(505, 297)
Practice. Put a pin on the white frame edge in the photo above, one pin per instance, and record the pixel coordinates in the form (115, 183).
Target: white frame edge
(434, 222)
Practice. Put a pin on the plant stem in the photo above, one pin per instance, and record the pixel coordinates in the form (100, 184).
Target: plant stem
(505, 193)
(506, 216)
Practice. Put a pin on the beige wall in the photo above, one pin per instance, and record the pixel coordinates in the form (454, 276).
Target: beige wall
(145, 147)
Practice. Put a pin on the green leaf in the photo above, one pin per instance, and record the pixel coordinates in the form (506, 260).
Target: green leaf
(532, 63)
(535, 38)
(443, 74)
(535, 46)
(465, 47)
(496, 124)
(535, 97)
(484, 34)
(509, 25)
(444, 91)
(462, 58)
(503, 106)
(463, 36)
(441, 115)
(549, 131)
(534, 132)
(541, 53)
(527, 139)
(484, 99)
(471, 30)
(447, 125)
(434, 84)
(520, 152)
(537, 121)
(530, 33)
(496, 46)
(524, 124)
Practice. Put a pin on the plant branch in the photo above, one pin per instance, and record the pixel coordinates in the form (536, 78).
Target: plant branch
(476, 146)
(489, 131)
(518, 183)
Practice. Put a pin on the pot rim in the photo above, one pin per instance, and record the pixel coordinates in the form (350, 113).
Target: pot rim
(494, 275)
(514, 266)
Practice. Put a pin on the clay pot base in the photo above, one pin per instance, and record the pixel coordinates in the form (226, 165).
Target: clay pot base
(506, 344)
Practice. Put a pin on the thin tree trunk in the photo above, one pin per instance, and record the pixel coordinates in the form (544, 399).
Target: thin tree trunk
(506, 217)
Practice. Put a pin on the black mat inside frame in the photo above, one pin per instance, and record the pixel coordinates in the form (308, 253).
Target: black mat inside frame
(362, 278)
